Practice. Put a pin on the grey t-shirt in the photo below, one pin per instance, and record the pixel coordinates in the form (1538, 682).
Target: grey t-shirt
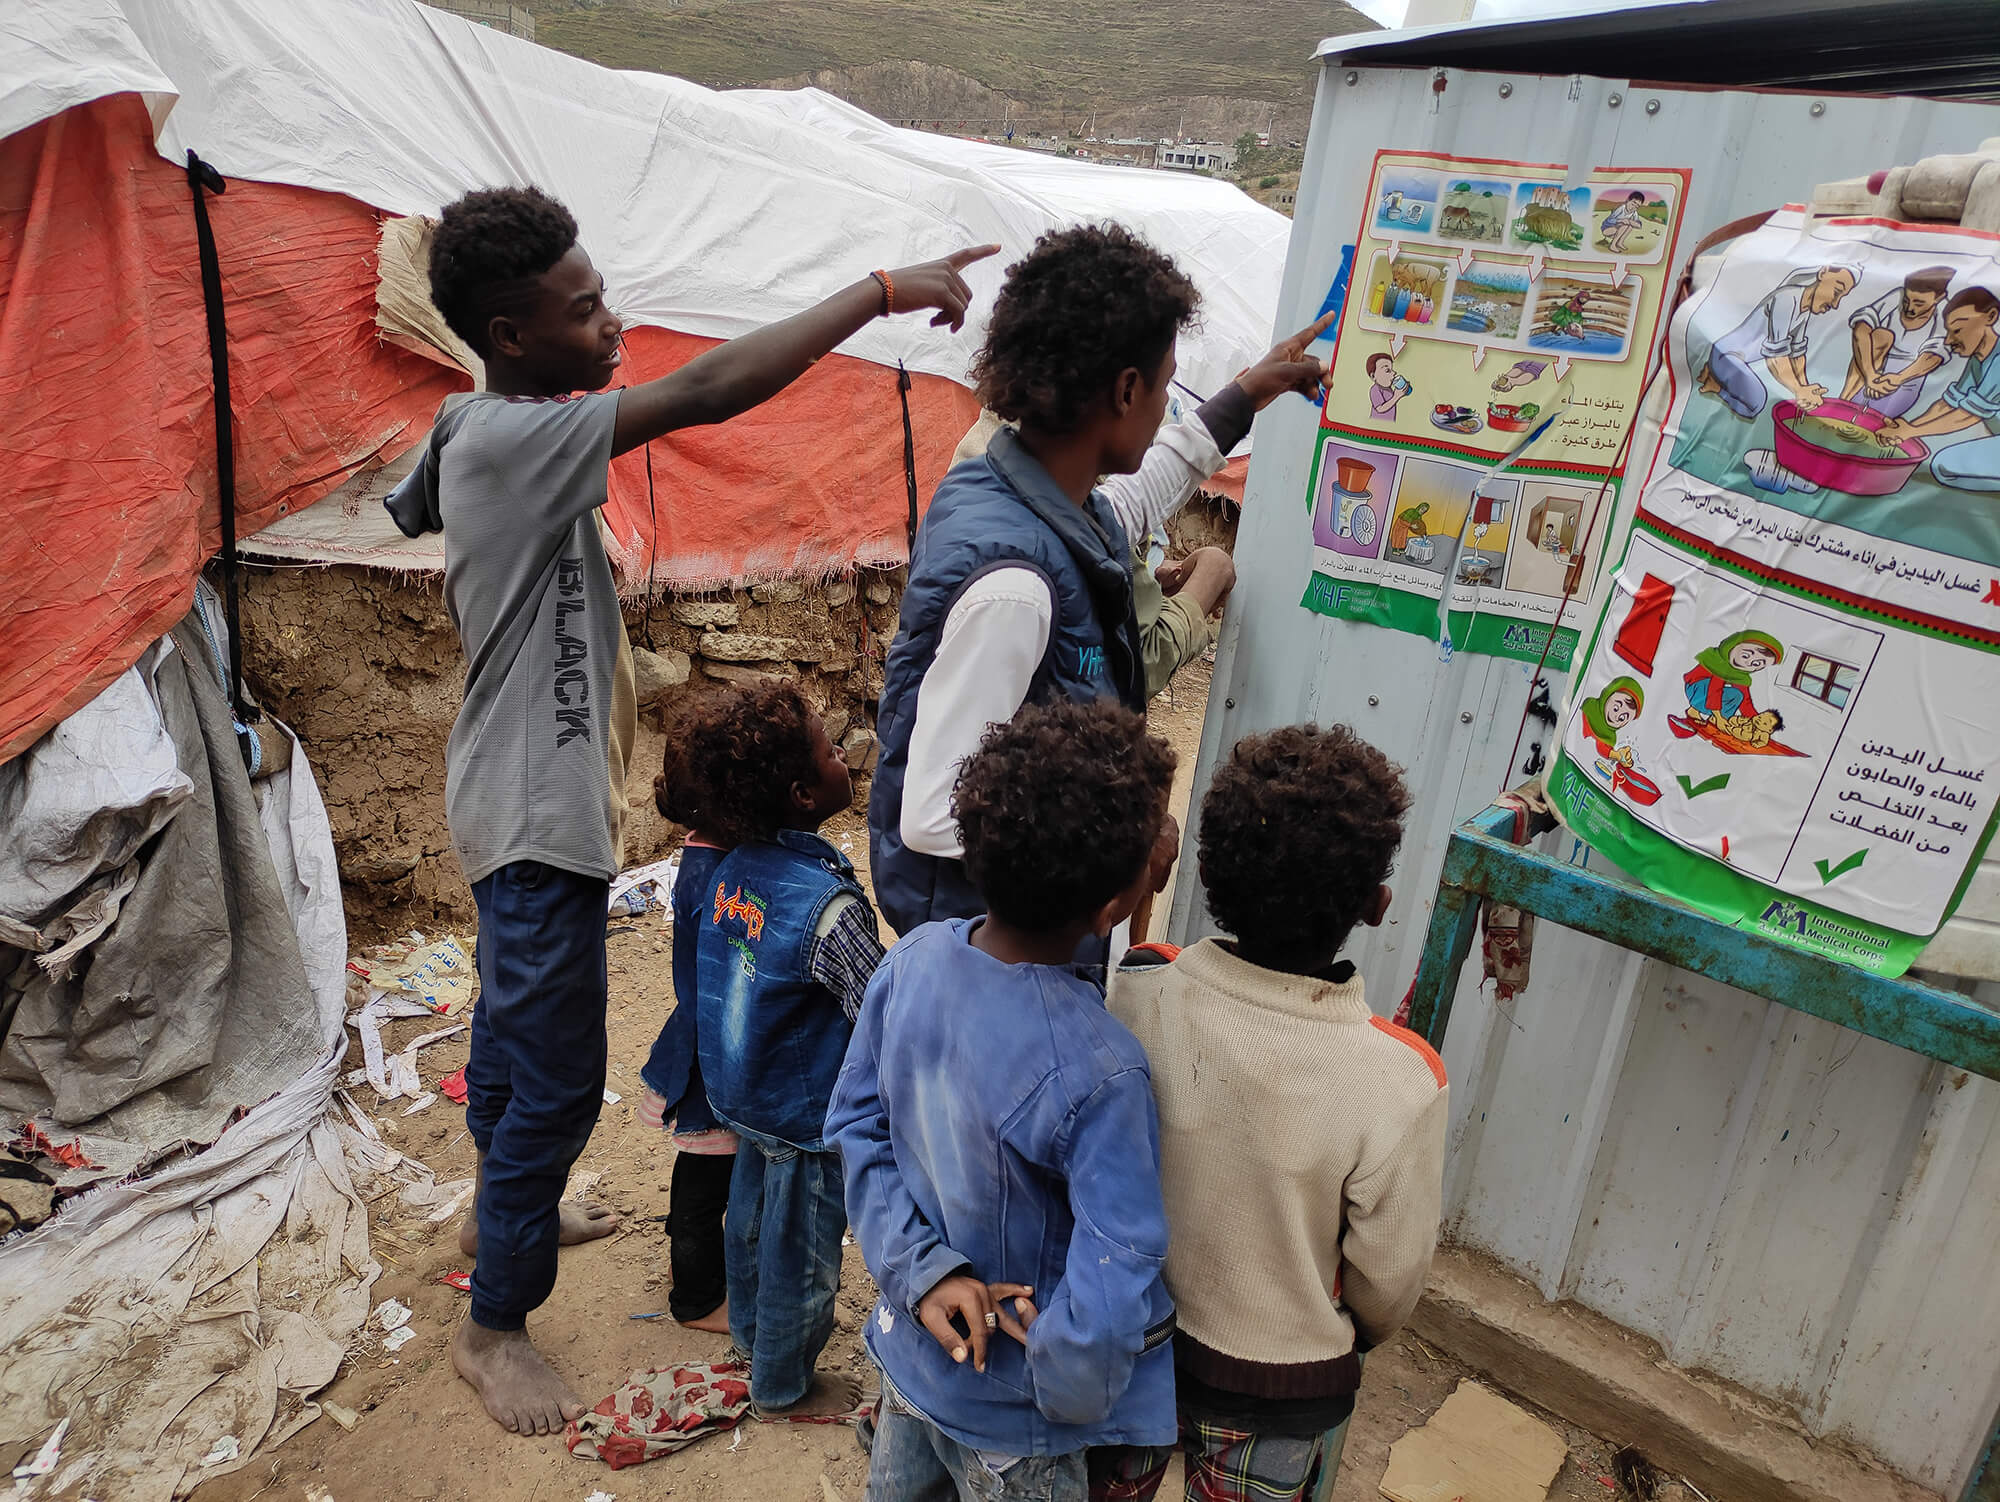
(515, 484)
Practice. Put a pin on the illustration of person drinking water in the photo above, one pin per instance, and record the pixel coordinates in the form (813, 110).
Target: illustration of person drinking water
(1386, 388)
(1774, 335)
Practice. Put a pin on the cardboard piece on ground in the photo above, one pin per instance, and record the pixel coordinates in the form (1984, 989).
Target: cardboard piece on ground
(1478, 1447)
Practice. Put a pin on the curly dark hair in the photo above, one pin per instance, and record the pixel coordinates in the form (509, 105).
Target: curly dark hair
(1299, 828)
(732, 757)
(489, 247)
(1058, 810)
(1083, 305)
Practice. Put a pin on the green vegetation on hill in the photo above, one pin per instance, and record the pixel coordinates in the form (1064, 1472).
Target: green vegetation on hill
(1073, 54)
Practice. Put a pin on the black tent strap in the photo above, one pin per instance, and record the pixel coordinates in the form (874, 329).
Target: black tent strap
(203, 180)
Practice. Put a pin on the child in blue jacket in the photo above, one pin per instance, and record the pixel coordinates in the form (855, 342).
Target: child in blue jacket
(997, 1130)
(676, 1100)
(784, 947)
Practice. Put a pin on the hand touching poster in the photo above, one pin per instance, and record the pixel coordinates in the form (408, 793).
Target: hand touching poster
(1789, 712)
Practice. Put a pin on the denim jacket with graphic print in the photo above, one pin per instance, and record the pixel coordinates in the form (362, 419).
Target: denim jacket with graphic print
(772, 1038)
(996, 1119)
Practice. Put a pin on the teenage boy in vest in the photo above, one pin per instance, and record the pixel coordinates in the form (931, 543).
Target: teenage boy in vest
(1020, 588)
(997, 1129)
(783, 955)
(513, 476)
(1301, 1136)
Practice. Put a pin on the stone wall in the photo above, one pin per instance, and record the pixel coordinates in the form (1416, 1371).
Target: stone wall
(366, 668)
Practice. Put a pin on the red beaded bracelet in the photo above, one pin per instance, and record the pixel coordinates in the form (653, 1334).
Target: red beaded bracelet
(888, 290)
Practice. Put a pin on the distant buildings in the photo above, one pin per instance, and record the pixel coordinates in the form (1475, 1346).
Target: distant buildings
(1189, 156)
(501, 15)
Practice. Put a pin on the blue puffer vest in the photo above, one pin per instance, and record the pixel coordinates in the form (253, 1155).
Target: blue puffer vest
(998, 511)
(772, 1037)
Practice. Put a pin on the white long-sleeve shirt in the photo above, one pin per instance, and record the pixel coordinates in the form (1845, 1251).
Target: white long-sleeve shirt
(995, 635)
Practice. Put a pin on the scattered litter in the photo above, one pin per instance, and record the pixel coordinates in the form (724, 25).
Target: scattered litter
(422, 1102)
(396, 1339)
(736, 1440)
(602, 1497)
(453, 1085)
(1477, 1447)
(222, 1452)
(46, 1457)
(644, 889)
(580, 1182)
(847, 1238)
(621, 928)
(395, 1076)
(658, 1412)
(317, 1493)
(437, 974)
(32, 1141)
(656, 1314)
(347, 1418)
(391, 1314)
(1636, 1474)
(461, 1192)
(459, 1279)
(612, 1097)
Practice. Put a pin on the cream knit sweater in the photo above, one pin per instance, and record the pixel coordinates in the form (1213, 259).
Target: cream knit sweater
(1302, 1155)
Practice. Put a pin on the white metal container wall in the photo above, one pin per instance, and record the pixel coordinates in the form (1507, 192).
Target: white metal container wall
(1793, 1206)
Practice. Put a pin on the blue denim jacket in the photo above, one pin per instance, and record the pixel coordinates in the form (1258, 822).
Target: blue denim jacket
(772, 1038)
(673, 1069)
(997, 1118)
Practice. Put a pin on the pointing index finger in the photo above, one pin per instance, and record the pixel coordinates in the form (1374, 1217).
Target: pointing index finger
(958, 260)
(1313, 330)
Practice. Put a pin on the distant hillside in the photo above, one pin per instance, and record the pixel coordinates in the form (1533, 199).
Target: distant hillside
(1061, 59)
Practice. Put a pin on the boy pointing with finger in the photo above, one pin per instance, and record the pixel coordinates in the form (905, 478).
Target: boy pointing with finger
(513, 476)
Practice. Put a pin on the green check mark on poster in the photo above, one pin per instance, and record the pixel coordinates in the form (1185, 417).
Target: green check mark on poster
(1695, 789)
(1827, 873)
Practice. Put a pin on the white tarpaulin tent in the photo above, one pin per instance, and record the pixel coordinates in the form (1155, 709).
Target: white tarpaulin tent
(709, 213)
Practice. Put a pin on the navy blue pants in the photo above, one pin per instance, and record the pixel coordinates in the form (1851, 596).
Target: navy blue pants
(781, 1239)
(536, 1080)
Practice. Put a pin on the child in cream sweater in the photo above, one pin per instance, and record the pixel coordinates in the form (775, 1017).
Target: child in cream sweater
(1301, 1136)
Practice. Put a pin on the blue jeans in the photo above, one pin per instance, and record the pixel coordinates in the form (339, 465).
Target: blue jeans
(915, 1461)
(536, 1079)
(781, 1241)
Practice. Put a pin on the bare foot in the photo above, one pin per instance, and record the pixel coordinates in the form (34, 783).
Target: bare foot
(520, 1390)
(828, 1397)
(716, 1321)
(582, 1220)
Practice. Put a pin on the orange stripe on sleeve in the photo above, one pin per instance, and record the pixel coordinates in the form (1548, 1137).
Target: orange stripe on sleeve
(1413, 1040)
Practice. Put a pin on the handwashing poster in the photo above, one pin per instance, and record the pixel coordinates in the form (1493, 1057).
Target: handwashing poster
(1789, 710)
(1495, 309)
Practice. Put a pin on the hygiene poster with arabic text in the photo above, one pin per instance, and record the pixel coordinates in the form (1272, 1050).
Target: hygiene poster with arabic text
(1489, 303)
(1789, 711)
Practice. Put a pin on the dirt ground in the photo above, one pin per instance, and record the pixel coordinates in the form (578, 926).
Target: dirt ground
(422, 1436)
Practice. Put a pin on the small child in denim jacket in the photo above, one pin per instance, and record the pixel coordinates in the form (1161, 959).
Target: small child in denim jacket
(676, 1100)
(997, 1128)
(785, 944)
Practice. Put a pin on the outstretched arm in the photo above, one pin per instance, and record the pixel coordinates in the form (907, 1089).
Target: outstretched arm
(744, 373)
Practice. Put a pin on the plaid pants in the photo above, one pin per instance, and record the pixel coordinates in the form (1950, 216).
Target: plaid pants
(1223, 1465)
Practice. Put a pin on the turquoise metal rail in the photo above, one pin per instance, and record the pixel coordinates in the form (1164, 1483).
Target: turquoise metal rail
(1482, 861)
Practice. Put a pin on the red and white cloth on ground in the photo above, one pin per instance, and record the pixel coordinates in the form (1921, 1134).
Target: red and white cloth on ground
(658, 1412)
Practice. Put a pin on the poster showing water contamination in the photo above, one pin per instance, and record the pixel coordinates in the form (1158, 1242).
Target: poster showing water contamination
(1789, 710)
(1495, 311)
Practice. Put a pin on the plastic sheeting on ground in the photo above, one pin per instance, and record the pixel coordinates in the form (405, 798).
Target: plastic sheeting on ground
(226, 958)
(207, 1302)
